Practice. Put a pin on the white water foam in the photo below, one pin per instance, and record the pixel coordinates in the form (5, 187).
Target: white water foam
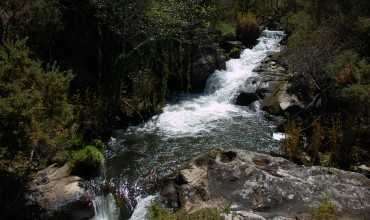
(141, 210)
(105, 208)
(200, 115)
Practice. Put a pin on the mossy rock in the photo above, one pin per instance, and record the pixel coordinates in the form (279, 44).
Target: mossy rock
(86, 162)
(235, 53)
(156, 212)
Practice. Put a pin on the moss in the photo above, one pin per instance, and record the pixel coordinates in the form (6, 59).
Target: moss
(326, 211)
(158, 213)
(87, 161)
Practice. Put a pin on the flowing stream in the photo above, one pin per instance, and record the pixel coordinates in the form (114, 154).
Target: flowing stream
(140, 155)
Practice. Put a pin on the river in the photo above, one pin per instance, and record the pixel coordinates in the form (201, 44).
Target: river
(191, 124)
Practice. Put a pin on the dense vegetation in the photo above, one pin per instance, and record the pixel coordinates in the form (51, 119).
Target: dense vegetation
(71, 71)
(328, 54)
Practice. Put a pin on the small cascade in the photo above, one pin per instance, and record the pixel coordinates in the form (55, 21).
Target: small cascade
(105, 207)
(104, 202)
(141, 210)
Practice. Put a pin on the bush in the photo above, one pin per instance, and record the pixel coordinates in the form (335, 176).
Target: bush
(34, 107)
(87, 161)
(247, 29)
(158, 213)
(349, 68)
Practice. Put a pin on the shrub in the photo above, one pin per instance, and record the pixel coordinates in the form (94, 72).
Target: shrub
(247, 28)
(34, 107)
(316, 141)
(291, 142)
(87, 161)
(158, 213)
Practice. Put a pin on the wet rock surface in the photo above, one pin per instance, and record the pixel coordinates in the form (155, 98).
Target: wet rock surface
(259, 186)
(270, 86)
(60, 195)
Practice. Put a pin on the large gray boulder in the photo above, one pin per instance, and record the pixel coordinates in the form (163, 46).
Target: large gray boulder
(259, 186)
(60, 195)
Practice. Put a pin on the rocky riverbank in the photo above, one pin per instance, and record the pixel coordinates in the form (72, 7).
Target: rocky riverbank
(60, 195)
(258, 186)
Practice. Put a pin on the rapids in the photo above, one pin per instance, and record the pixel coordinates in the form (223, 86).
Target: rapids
(192, 124)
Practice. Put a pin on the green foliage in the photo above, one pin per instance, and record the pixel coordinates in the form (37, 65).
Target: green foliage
(34, 108)
(40, 19)
(158, 213)
(86, 161)
(226, 28)
(349, 68)
(167, 17)
(89, 111)
(300, 21)
(326, 211)
(174, 18)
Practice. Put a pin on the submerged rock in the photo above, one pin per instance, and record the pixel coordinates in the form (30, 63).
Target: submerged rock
(259, 186)
(61, 195)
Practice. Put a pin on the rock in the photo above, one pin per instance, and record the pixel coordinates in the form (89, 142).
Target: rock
(259, 186)
(245, 99)
(266, 86)
(235, 53)
(231, 44)
(58, 193)
(242, 215)
(363, 169)
(273, 88)
(207, 61)
(280, 101)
